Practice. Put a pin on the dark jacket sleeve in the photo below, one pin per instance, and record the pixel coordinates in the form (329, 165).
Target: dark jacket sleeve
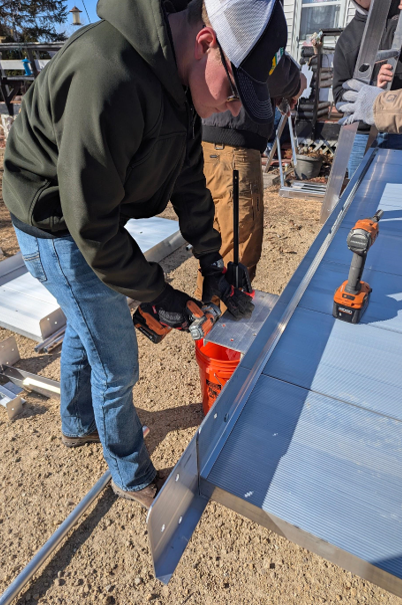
(285, 80)
(193, 202)
(95, 150)
(345, 58)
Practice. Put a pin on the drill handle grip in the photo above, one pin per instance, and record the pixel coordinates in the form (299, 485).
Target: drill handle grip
(355, 273)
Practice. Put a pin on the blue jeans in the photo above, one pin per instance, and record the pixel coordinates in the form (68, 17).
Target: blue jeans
(99, 359)
(357, 153)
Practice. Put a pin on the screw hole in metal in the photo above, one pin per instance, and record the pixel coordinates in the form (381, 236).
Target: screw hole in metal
(163, 528)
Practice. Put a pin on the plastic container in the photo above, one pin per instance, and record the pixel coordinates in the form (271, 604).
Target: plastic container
(216, 365)
(308, 167)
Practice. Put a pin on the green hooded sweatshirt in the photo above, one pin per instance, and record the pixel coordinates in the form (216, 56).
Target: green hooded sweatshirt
(106, 133)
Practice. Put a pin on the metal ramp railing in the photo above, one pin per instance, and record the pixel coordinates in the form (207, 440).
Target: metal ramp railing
(306, 438)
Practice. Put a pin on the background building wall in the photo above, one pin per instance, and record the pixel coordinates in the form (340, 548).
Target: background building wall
(293, 13)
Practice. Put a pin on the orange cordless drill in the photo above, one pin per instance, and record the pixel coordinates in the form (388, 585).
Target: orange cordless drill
(352, 297)
(200, 321)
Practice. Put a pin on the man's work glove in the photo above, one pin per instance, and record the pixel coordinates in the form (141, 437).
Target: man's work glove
(172, 308)
(358, 102)
(238, 303)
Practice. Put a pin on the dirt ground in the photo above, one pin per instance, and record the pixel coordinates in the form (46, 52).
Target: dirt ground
(106, 558)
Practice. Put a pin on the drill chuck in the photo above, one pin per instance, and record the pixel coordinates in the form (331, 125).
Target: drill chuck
(359, 241)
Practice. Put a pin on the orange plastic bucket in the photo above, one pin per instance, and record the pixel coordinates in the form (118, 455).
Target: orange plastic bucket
(216, 365)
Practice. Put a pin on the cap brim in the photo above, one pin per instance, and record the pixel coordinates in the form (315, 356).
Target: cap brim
(254, 96)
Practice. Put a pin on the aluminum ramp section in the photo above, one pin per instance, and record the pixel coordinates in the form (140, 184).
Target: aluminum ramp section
(27, 308)
(306, 438)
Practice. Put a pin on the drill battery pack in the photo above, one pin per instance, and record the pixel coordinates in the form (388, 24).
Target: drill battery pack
(350, 307)
(146, 322)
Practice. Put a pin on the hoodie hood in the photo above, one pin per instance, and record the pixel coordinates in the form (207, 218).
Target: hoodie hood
(143, 24)
(393, 11)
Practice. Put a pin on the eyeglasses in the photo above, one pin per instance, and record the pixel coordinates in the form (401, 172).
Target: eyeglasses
(235, 95)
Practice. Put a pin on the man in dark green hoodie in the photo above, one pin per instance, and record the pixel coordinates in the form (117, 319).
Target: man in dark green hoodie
(108, 132)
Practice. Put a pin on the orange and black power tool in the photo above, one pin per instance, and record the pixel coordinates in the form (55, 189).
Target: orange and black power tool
(352, 298)
(200, 322)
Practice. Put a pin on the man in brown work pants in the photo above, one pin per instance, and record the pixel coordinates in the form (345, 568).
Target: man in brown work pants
(219, 163)
(236, 144)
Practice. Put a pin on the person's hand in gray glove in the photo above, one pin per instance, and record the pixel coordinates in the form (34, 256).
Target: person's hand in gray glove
(238, 303)
(358, 102)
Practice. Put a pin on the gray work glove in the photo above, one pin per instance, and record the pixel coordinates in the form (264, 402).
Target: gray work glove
(358, 102)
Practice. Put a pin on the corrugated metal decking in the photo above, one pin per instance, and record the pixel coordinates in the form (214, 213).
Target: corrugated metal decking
(313, 446)
(321, 434)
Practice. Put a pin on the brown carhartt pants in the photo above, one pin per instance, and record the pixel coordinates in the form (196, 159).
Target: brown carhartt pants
(219, 163)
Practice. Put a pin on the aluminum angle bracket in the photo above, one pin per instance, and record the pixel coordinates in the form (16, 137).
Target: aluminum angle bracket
(9, 355)
(11, 400)
(373, 32)
(175, 513)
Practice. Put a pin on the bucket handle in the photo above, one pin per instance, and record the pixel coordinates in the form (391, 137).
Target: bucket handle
(215, 376)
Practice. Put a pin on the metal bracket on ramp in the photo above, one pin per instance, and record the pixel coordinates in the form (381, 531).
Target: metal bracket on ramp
(9, 355)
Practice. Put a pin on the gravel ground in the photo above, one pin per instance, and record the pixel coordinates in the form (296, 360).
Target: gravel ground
(106, 558)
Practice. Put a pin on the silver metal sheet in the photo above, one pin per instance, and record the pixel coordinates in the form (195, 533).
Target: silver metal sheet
(314, 444)
(26, 306)
(313, 186)
(358, 364)
(157, 237)
(332, 553)
(11, 267)
(305, 193)
(24, 302)
(239, 335)
(174, 514)
(338, 171)
(327, 468)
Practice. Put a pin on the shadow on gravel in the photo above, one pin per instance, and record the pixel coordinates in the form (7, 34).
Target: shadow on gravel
(37, 363)
(162, 422)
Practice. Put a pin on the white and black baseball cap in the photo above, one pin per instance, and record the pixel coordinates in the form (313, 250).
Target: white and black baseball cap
(253, 35)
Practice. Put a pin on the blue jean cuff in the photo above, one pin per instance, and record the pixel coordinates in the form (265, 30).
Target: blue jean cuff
(138, 487)
(90, 430)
